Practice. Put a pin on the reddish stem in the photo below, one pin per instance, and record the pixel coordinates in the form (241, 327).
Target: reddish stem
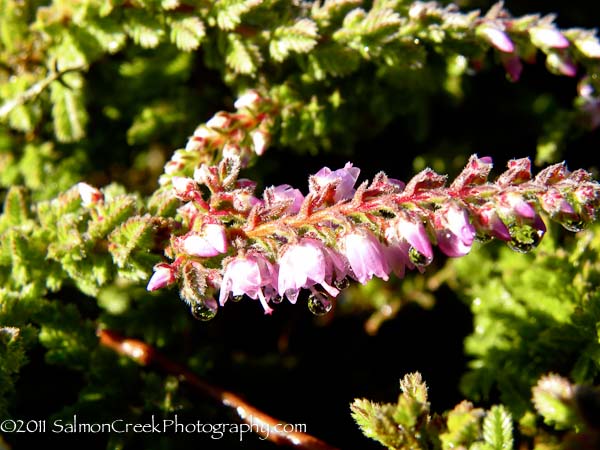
(146, 355)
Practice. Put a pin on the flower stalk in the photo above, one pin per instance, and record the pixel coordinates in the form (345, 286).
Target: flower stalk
(275, 246)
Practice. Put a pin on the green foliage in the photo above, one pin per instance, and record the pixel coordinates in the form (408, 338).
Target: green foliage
(532, 314)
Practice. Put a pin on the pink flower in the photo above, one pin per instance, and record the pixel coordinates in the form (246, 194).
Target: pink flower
(412, 231)
(455, 233)
(211, 241)
(548, 37)
(497, 38)
(306, 264)
(342, 179)
(489, 221)
(513, 204)
(285, 194)
(366, 256)
(252, 275)
(397, 258)
(163, 276)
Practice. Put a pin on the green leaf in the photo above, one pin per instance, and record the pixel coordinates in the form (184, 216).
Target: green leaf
(70, 52)
(16, 208)
(22, 117)
(187, 32)
(333, 60)
(498, 428)
(463, 424)
(108, 33)
(376, 422)
(553, 399)
(229, 13)
(68, 109)
(300, 37)
(130, 245)
(145, 29)
(110, 215)
(242, 56)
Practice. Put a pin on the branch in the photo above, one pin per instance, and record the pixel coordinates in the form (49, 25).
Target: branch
(146, 355)
(34, 90)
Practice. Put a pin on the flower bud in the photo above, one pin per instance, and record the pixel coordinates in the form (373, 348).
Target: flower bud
(210, 242)
(89, 194)
(545, 36)
(250, 100)
(589, 46)
(498, 38)
(163, 276)
(366, 256)
(455, 234)
(260, 141)
(343, 179)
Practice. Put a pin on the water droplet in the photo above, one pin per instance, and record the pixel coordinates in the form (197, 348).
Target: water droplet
(319, 304)
(573, 222)
(237, 298)
(276, 300)
(418, 258)
(342, 284)
(524, 238)
(204, 311)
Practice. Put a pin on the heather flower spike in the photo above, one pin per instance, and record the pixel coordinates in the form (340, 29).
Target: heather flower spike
(233, 242)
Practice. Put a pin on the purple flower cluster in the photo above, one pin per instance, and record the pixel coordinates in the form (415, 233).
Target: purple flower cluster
(273, 247)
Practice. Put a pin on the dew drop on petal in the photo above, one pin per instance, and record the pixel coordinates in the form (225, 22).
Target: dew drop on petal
(276, 300)
(573, 222)
(319, 303)
(418, 258)
(524, 238)
(342, 284)
(204, 311)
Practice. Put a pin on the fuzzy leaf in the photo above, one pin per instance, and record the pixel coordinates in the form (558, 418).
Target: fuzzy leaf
(108, 33)
(553, 399)
(20, 117)
(300, 37)
(68, 110)
(187, 32)
(129, 246)
(333, 60)
(463, 426)
(376, 422)
(229, 12)
(242, 56)
(110, 215)
(16, 210)
(143, 28)
(498, 428)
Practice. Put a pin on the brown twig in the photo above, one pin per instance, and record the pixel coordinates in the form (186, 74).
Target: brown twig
(146, 355)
